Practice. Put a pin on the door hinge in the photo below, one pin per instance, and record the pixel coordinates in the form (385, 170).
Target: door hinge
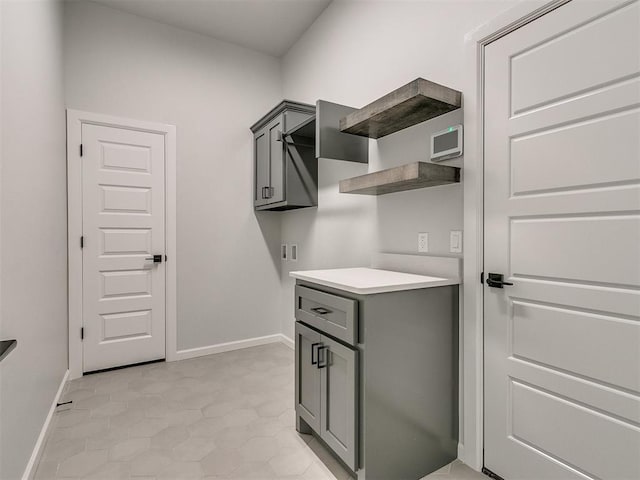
(81, 333)
(490, 474)
(165, 258)
(81, 150)
(82, 241)
(481, 277)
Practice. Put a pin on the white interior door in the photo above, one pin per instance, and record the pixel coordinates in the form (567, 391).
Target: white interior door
(562, 223)
(123, 228)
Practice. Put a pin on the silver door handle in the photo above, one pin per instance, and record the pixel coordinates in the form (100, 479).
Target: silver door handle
(154, 259)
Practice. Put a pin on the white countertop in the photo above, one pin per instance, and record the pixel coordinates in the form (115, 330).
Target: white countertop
(371, 280)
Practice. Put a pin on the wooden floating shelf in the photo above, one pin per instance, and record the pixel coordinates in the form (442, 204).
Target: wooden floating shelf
(398, 179)
(409, 105)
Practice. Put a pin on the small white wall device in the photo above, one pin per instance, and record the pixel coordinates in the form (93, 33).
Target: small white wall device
(446, 144)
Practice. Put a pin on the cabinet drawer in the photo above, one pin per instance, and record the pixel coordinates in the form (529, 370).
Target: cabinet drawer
(337, 316)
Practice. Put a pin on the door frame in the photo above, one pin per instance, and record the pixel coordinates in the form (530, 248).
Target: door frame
(470, 449)
(75, 120)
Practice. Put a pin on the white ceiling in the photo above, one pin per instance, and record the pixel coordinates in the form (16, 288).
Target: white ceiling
(269, 26)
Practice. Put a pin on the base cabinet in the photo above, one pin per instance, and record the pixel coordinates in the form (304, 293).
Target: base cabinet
(377, 377)
(326, 391)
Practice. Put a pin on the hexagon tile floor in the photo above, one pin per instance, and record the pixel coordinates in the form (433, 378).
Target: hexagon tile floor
(224, 416)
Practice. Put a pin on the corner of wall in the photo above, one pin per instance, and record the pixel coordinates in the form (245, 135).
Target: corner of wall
(32, 90)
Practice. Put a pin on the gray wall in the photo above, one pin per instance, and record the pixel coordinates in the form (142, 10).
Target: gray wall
(33, 225)
(124, 65)
(354, 53)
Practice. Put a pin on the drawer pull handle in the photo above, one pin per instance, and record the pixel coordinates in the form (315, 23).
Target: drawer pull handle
(314, 360)
(322, 359)
(321, 310)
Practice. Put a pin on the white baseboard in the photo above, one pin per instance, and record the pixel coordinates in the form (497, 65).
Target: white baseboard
(229, 346)
(287, 341)
(469, 462)
(461, 452)
(30, 471)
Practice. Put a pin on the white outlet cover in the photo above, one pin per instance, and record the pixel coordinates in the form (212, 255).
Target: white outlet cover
(423, 242)
(293, 253)
(283, 252)
(455, 241)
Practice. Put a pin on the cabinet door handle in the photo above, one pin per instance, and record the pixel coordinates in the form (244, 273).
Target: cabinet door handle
(267, 192)
(314, 360)
(324, 357)
(321, 310)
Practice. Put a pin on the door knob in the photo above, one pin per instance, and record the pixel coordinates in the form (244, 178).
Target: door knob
(155, 258)
(495, 280)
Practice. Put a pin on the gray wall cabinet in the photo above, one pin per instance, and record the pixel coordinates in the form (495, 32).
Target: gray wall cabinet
(285, 174)
(288, 141)
(377, 377)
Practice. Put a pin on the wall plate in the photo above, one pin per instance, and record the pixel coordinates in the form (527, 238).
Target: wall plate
(423, 242)
(455, 241)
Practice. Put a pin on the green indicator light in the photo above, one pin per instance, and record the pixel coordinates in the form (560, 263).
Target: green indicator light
(451, 129)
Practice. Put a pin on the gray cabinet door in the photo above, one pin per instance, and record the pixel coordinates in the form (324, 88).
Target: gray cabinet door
(269, 163)
(276, 161)
(307, 376)
(338, 391)
(261, 167)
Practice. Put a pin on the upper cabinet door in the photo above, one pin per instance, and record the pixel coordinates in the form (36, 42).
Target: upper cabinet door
(261, 166)
(283, 181)
(338, 387)
(276, 161)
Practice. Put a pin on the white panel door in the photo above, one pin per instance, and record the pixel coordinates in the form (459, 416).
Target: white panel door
(562, 223)
(123, 227)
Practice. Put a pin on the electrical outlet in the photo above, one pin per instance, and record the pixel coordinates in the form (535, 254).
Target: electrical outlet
(293, 253)
(283, 252)
(423, 242)
(455, 241)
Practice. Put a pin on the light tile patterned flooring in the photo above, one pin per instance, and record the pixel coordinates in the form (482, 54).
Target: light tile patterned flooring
(224, 416)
